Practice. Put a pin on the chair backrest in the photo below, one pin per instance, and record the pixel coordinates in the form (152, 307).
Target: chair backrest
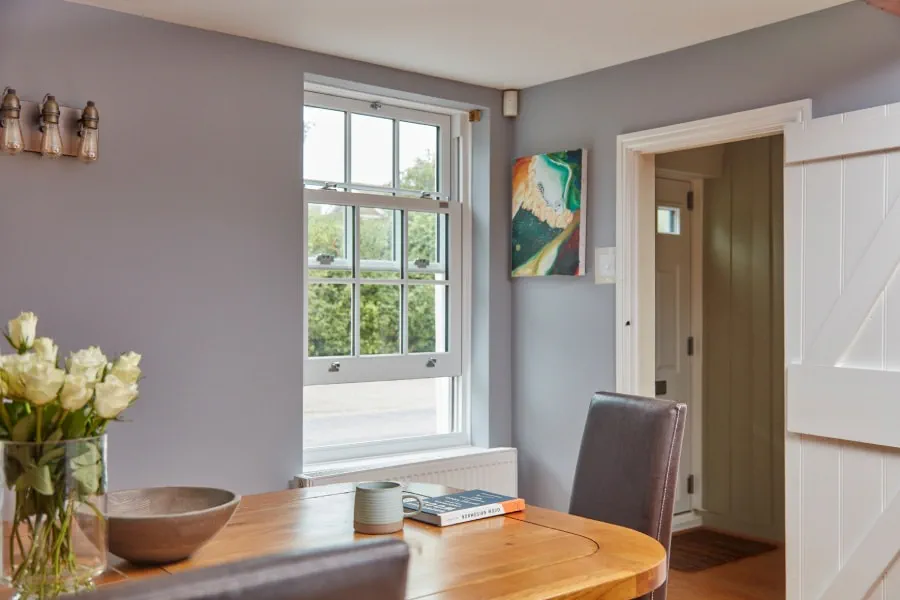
(628, 465)
(375, 571)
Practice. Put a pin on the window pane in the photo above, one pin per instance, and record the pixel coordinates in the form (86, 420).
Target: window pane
(329, 240)
(379, 319)
(418, 156)
(427, 250)
(427, 318)
(379, 242)
(371, 150)
(668, 220)
(330, 319)
(323, 144)
(368, 412)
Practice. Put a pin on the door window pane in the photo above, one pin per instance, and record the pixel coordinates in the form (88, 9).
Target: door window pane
(668, 220)
(418, 156)
(379, 319)
(330, 319)
(371, 150)
(323, 144)
(427, 318)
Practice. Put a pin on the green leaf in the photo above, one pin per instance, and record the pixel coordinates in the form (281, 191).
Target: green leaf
(24, 429)
(49, 412)
(75, 425)
(87, 456)
(88, 478)
(21, 454)
(55, 436)
(50, 456)
(41, 480)
(87, 469)
(37, 478)
(12, 469)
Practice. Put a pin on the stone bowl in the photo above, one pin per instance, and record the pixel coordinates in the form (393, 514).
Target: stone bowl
(167, 524)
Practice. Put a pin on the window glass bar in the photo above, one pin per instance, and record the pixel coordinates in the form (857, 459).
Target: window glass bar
(342, 187)
(369, 266)
(357, 299)
(404, 260)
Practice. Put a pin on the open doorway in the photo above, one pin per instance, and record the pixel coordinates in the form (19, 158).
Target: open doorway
(637, 229)
(719, 307)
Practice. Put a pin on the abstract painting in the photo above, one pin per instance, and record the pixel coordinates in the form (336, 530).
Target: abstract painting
(548, 214)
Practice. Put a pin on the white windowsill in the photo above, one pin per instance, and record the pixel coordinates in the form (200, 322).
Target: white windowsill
(394, 460)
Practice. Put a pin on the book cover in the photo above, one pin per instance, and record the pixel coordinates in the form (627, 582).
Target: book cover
(464, 506)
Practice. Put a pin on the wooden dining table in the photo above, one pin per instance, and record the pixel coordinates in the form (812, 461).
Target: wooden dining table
(534, 554)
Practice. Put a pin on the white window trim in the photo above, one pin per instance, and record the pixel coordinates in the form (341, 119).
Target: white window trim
(455, 186)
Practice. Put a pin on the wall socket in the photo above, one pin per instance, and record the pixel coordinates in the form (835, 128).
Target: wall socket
(604, 265)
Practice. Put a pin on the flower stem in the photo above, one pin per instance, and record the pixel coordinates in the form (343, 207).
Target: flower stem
(40, 414)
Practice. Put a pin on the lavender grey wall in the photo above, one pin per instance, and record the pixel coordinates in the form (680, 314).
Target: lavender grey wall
(184, 242)
(845, 58)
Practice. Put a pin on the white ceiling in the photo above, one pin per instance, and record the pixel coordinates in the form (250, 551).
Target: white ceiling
(496, 43)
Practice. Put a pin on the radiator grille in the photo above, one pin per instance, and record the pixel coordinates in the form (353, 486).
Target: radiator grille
(494, 470)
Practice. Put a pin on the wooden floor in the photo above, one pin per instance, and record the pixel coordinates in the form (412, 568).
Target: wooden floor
(757, 578)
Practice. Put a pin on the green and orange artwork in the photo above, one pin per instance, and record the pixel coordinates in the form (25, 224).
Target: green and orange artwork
(548, 213)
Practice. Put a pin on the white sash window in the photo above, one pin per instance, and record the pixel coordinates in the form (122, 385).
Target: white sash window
(384, 268)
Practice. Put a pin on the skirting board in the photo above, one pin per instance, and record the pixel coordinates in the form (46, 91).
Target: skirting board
(760, 532)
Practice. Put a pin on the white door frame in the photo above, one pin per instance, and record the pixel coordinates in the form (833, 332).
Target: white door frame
(636, 231)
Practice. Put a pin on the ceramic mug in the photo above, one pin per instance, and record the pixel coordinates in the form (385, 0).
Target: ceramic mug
(378, 507)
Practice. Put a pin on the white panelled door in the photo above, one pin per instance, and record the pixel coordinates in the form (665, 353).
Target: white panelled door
(673, 311)
(842, 330)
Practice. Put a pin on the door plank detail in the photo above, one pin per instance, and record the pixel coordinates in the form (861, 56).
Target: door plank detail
(865, 567)
(858, 405)
(871, 130)
(871, 276)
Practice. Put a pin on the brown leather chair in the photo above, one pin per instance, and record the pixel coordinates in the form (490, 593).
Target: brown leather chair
(628, 465)
(371, 570)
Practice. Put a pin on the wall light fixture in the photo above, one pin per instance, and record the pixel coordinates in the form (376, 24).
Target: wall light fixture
(51, 141)
(89, 134)
(11, 139)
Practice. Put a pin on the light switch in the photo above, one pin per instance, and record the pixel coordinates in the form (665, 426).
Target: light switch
(605, 265)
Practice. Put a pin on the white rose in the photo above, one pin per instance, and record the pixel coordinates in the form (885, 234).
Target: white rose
(4, 389)
(46, 350)
(76, 392)
(43, 382)
(15, 366)
(22, 330)
(113, 396)
(89, 363)
(126, 367)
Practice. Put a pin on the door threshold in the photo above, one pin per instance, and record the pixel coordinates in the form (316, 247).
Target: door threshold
(685, 521)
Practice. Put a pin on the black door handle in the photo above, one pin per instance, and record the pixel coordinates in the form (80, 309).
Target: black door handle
(661, 388)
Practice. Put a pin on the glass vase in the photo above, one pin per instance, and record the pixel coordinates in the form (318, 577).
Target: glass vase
(53, 510)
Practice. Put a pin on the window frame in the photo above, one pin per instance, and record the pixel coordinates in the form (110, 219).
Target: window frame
(444, 123)
(360, 368)
(450, 199)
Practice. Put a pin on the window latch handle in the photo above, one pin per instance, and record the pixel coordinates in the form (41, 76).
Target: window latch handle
(335, 367)
(431, 363)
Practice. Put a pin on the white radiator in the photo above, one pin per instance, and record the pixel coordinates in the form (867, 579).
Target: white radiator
(491, 469)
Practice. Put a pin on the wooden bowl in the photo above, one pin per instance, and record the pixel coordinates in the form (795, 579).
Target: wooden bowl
(166, 524)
